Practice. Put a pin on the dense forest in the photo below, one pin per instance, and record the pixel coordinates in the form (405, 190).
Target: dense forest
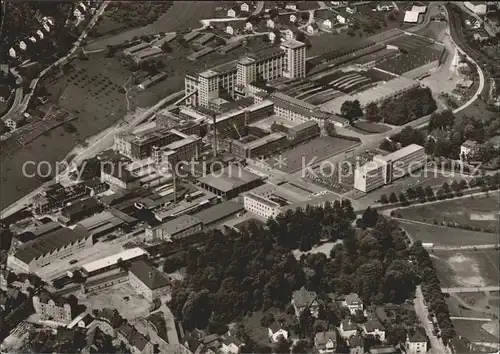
(238, 273)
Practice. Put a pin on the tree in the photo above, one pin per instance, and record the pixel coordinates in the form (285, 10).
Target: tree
(372, 113)
(384, 199)
(166, 48)
(370, 217)
(301, 37)
(283, 346)
(273, 13)
(351, 110)
(393, 198)
(429, 193)
(329, 128)
(411, 193)
(402, 199)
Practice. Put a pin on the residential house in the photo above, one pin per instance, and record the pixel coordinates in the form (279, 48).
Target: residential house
(275, 331)
(416, 343)
(348, 329)
(134, 341)
(291, 34)
(291, 6)
(148, 281)
(313, 28)
(40, 34)
(353, 303)
(356, 344)
(351, 10)
(233, 12)
(86, 321)
(272, 36)
(209, 344)
(467, 148)
(245, 7)
(234, 27)
(22, 45)
(12, 52)
(326, 342)
(374, 328)
(248, 26)
(328, 23)
(303, 299)
(293, 18)
(53, 308)
(271, 23)
(108, 321)
(341, 19)
(231, 345)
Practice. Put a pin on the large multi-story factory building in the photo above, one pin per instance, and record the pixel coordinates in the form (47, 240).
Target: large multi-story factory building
(385, 169)
(233, 79)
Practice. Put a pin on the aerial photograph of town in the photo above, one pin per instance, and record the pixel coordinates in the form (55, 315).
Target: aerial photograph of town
(224, 177)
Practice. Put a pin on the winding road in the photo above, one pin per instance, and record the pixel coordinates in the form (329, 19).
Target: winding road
(19, 106)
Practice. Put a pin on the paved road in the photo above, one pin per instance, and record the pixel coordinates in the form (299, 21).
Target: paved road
(423, 315)
(470, 290)
(259, 8)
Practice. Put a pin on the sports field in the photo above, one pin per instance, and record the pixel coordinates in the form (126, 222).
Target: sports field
(447, 236)
(468, 269)
(481, 212)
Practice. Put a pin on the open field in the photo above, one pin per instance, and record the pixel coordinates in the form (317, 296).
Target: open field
(475, 305)
(182, 15)
(479, 212)
(472, 331)
(314, 150)
(447, 236)
(467, 268)
(115, 298)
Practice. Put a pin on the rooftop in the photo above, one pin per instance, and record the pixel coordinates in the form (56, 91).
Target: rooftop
(265, 140)
(232, 177)
(218, 211)
(302, 297)
(179, 224)
(267, 53)
(292, 44)
(48, 243)
(113, 259)
(396, 155)
(322, 338)
(151, 277)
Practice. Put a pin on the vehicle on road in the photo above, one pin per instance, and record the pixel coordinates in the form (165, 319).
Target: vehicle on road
(73, 261)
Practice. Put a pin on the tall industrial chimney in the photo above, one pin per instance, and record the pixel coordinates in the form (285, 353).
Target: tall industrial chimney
(215, 133)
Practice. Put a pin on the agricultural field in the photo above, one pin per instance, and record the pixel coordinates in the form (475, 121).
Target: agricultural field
(447, 236)
(481, 212)
(180, 16)
(468, 268)
(317, 149)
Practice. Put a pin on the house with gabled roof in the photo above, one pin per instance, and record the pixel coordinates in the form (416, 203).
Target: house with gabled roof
(233, 12)
(231, 345)
(356, 344)
(313, 28)
(416, 343)
(348, 329)
(374, 328)
(276, 331)
(353, 303)
(326, 342)
(148, 281)
(232, 28)
(303, 299)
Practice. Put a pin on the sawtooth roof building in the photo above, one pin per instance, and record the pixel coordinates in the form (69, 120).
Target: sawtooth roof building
(42, 251)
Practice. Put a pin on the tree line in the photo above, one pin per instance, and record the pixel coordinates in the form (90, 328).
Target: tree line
(238, 273)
